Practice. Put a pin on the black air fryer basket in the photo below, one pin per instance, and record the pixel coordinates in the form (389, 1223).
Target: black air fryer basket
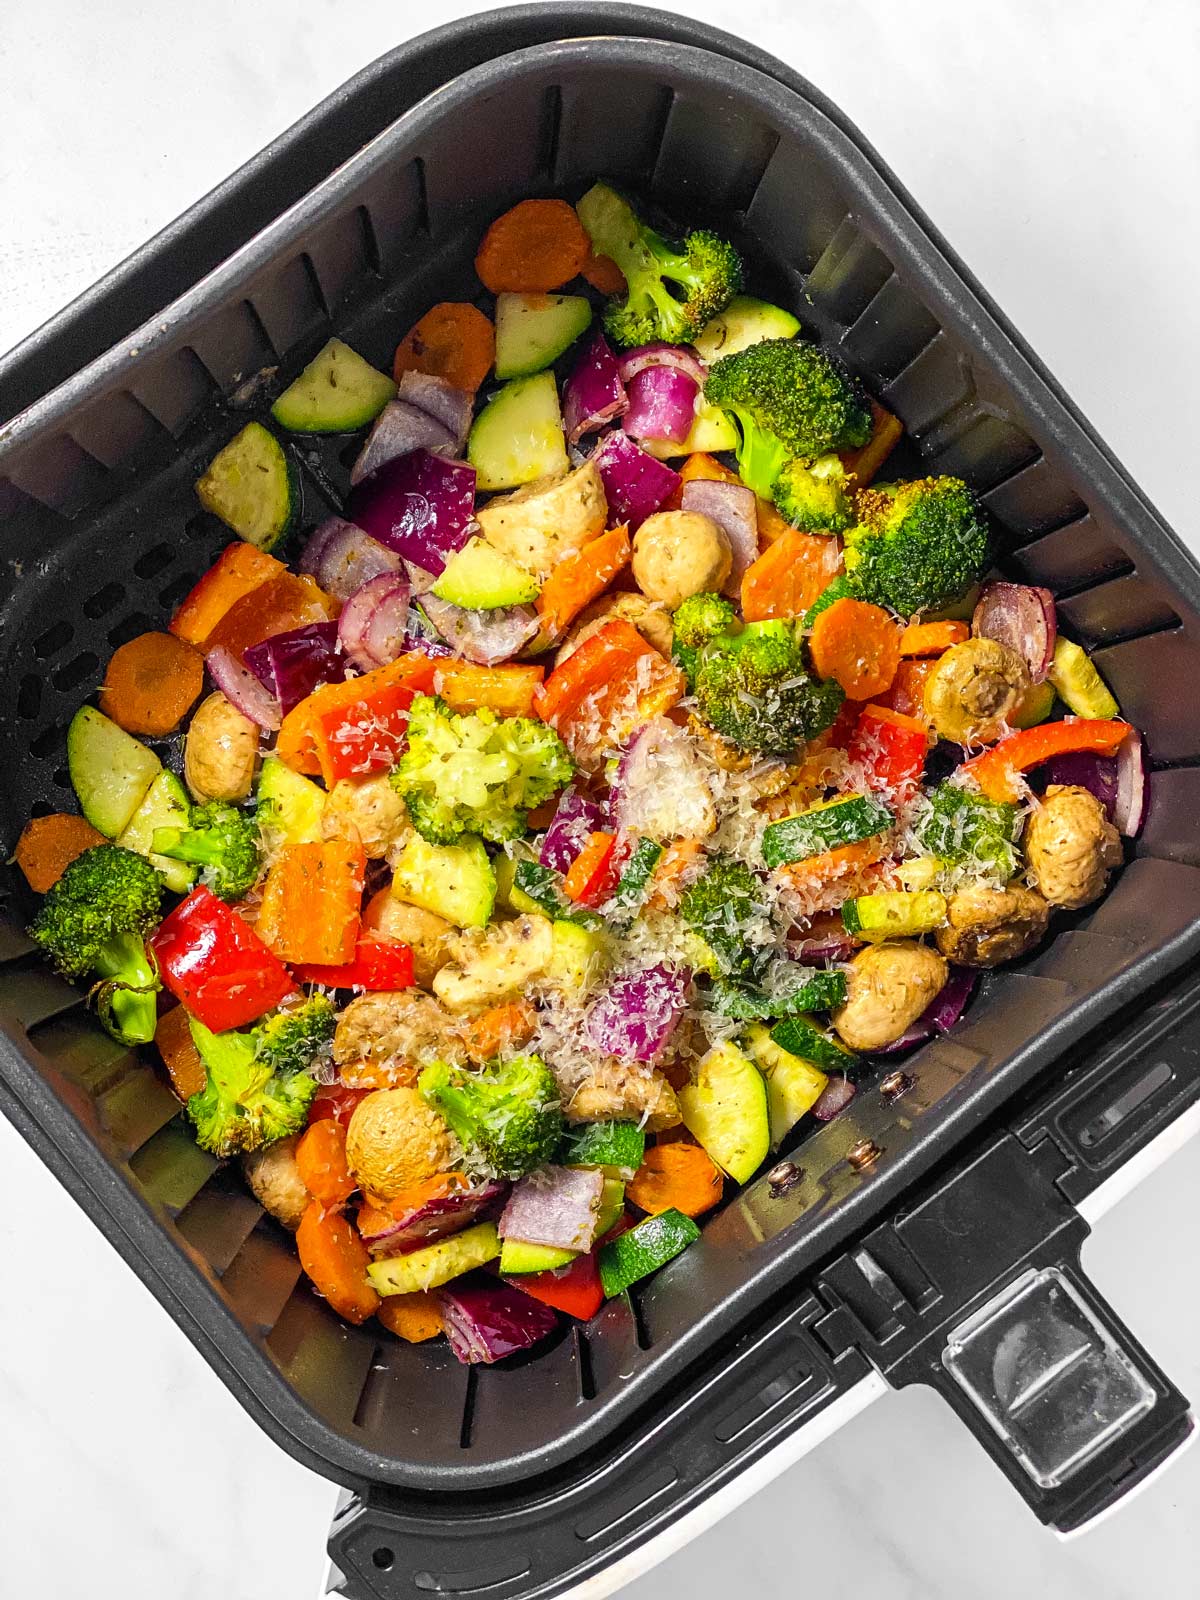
(935, 1220)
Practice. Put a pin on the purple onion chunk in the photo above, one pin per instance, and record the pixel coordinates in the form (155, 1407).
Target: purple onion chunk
(291, 665)
(486, 1320)
(677, 357)
(1133, 785)
(484, 637)
(243, 689)
(342, 557)
(638, 1012)
(1083, 769)
(575, 818)
(400, 428)
(735, 510)
(435, 1219)
(1023, 617)
(635, 484)
(834, 1098)
(374, 615)
(594, 393)
(420, 505)
(554, 1206)
(662, 405)
(450, 406)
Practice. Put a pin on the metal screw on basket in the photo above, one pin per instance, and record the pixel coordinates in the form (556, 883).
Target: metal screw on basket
(783, 1177)
(862, 1154)
(896, 1084)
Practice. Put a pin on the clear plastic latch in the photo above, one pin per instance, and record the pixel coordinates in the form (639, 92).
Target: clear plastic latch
(1046, 1375)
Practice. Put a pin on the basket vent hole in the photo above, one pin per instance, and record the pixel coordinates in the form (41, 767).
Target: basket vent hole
(75, 671)
(53, 640)
(383, 1558)
(42, 808)
(29, 697)
(153, 562)
(176, 589)
(129, 628)
(51, 741)
(99, 604)
(63, 779)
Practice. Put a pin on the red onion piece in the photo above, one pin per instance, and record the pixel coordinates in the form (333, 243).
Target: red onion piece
(637, 1013)
(484, 637)
(314, 548)
(662, 404)
(574, 819)
(1082, 769)
(420, 505)
(388, 627)
(733, 508)
(1021, 616)
(835, 1097)
(661, 788)
(449, 1213)
(358, 613)
(291, 665)
(342, 558)
(679, 357)
(450, 406)
(1133, 785)
(399, 429)
(635, 483)
(594, 393)
(486, 1320)
(826, 951)
(242, 689)
(555, 1206)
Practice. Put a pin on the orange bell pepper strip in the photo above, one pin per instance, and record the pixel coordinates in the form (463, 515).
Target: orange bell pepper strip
(580, 579)
(238, 571)
(789, 575)
(998, 771)
(346, 730)
(606, 688)
(932, 638)
(592, 876)
(886, 433)
(508, 690)
(277, 606)
(312, 902)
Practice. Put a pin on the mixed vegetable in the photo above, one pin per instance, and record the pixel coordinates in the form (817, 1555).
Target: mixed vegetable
(563, 827)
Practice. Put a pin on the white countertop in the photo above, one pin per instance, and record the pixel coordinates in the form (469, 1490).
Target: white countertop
(1056, 146)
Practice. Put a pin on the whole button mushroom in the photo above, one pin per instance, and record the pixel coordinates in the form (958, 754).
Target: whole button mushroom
(275, 1181)
(887, 987)
(395, 1141)
(973, 689)
(220, 751)
(987, 926)
(680, 553)
(1071, 846)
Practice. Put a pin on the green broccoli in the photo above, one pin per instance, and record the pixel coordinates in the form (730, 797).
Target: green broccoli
(96, 919)
(476, 773)
(507, 1117)
(965, 829)
(814, 498)
(720, 907)
(750, 681)
(917, 546)
(671, 293)
(222, 841)
(258, 1088)
(790, 400)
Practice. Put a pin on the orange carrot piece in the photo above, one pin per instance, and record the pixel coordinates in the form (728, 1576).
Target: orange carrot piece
(603, 273)
(886, 433)
(238, 571)
(173, 1039)
(413, 1317)
(454, 341)
(932, 638)
(503, 1027)
(508, 690)
(580, 579)
(668, 875)
(48, 845)
(321, 1159)
(789, 575)
(907, 694)
(678, 1177)
(842, 866)
(336, 1259)
(311, 902)
(151, 684)
(277, 606)
(538, 245)
(858, 646)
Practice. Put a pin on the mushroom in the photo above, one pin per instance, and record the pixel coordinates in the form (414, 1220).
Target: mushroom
(972, 690)
(1071, 846)
(540, 523)
(395, 1141)
(275, 1181)
(651, 620)
(220, 751)
(612, 1092)
(428, 935)
(887, 987)
(367, 811)
(495, 964)
(388, 1035)
(680, 553)
(985, 927)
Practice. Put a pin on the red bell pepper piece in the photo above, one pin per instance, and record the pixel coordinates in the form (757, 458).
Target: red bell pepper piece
(605, 689)
(335, 1102)
(889, 749)
(998, 770)
(377, 964)
(593, 874)
(216, 965)
(576, 1288)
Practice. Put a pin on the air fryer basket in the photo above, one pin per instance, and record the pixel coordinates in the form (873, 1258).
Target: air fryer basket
(103, 535)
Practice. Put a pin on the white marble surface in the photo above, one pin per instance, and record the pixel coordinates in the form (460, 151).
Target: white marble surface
(1056, 146)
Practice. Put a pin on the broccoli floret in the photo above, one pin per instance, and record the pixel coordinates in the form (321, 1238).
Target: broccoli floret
(917, 546)
(671, 293)
(814, 498)
(293, 1040)
(720, 907)
(790, 400)
(507, 1117)
(966, 829)
(257, 1089)
(750, 683)
(476, 773)
(96, 919)
(219, 839)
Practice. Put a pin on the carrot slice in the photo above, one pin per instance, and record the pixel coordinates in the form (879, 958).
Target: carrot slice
(48, 845)
(504, 1027)
(932, 638)
(321, 1158)
(508, 690)
(336, 1259)
(603, 273)
(173, 1038)
(789, 575)
(454, 341)
(412, 1317)
(886, 433)
(580, 579)
(311, 902)
(842, 867)
(678, 1177)
(858, 646)
(538, 245)
(151, 684)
